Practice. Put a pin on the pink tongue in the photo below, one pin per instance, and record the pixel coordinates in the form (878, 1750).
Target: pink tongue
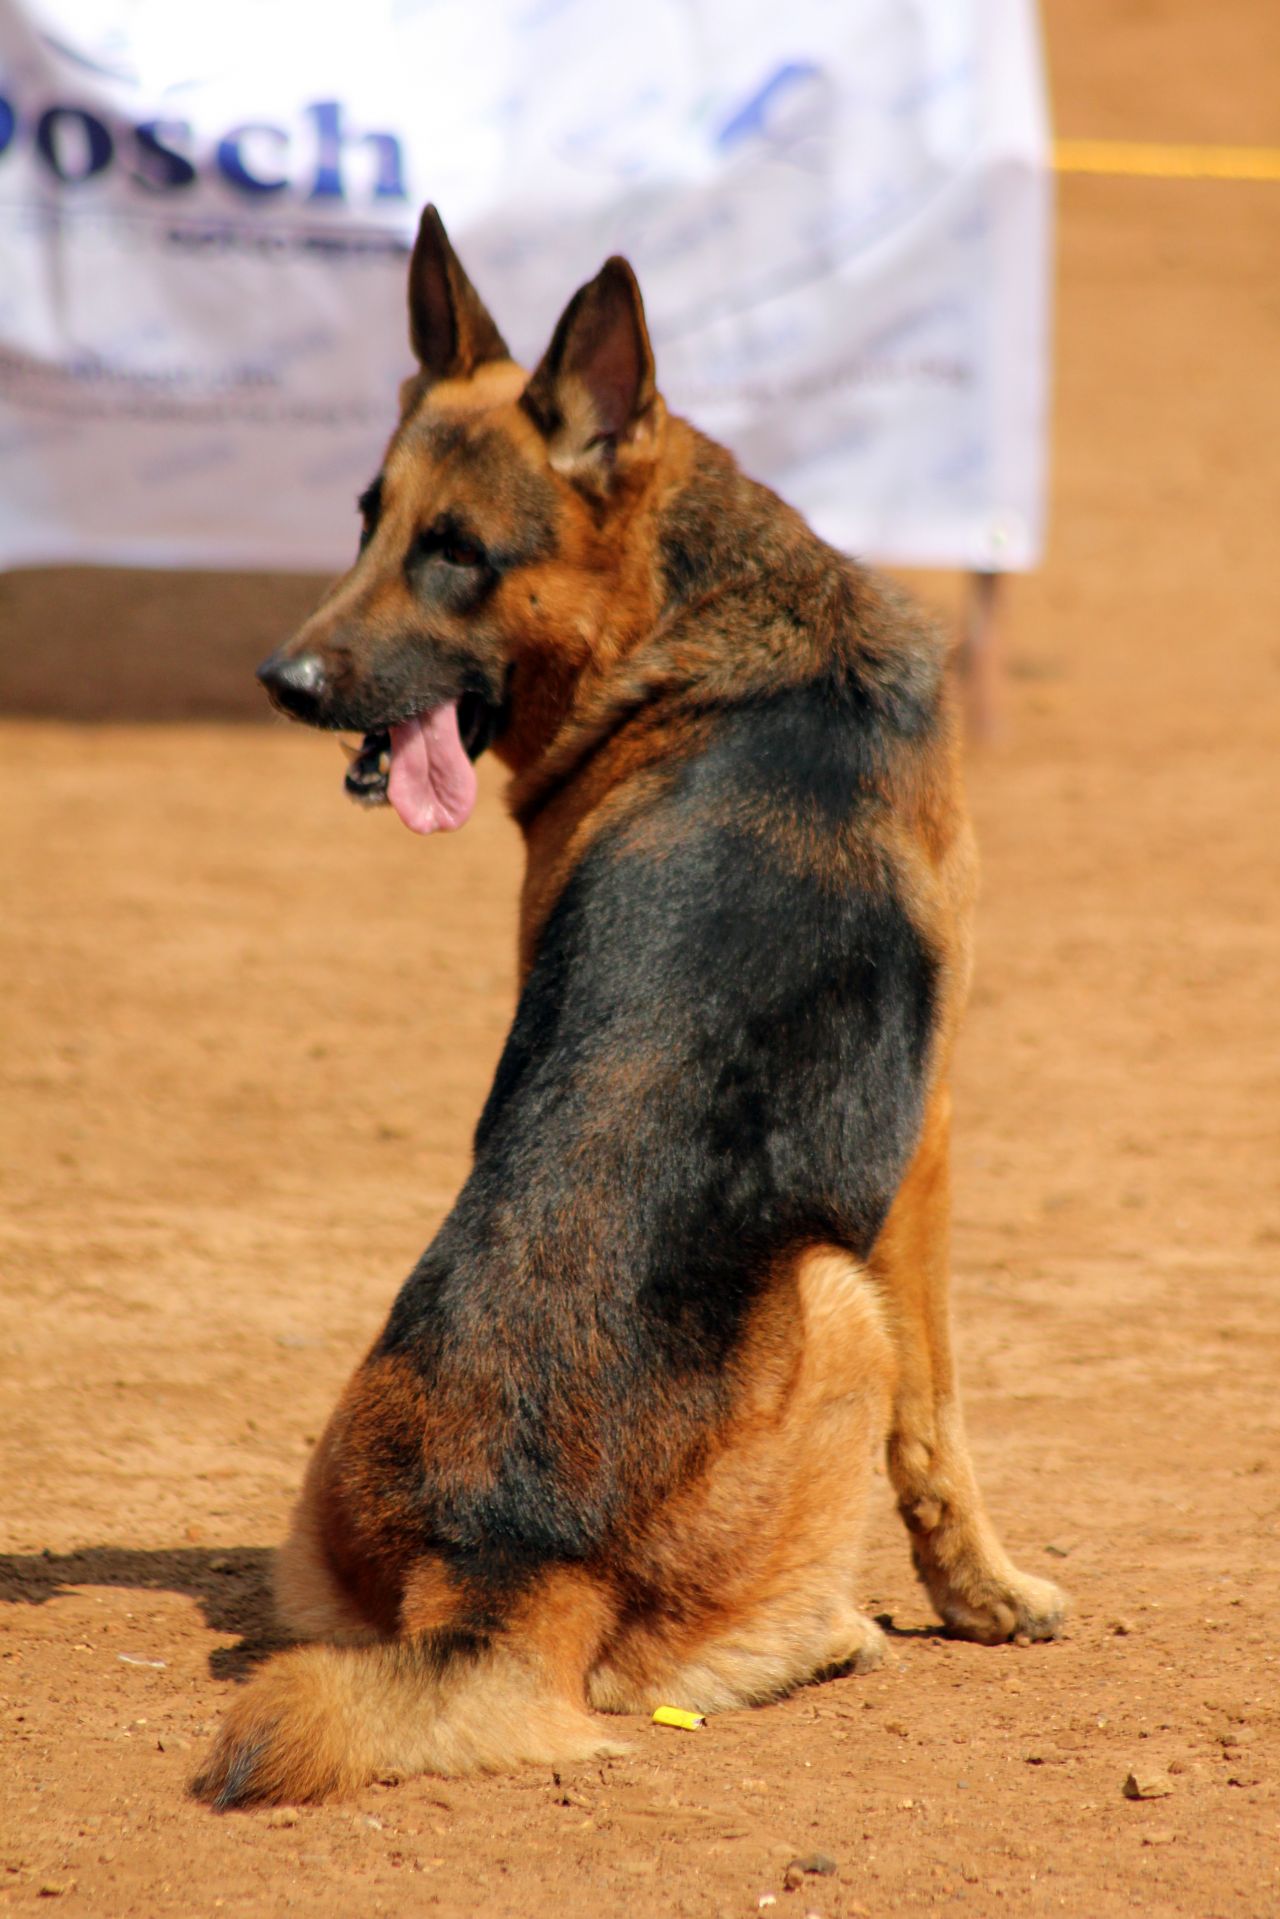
(432, 783)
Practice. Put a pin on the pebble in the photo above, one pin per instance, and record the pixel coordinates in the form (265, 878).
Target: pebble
(1121, 1627)
(820, 1863)
(1159, 1836)
(283, 1816)
(54, 1888)
(1145, 1782)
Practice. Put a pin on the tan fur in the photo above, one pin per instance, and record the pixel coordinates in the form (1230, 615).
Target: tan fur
(322, 1721)
(780, 1515)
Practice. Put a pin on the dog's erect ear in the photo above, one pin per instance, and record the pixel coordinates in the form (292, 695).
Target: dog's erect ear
(593, 395)
(449, 325)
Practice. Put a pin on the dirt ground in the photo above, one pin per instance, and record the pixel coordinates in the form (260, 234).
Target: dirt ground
(247, 1030)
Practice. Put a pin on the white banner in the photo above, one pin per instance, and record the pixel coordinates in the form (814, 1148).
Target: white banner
(837, 209)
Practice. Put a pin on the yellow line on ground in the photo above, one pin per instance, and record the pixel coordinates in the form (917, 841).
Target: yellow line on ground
(1165, 162)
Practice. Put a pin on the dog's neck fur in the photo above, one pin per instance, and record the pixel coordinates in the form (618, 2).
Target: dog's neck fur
(696, 532)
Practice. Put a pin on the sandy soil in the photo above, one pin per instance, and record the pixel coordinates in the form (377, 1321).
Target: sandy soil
(247, 1030)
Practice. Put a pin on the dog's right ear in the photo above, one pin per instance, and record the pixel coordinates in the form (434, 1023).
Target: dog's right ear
(450, 328)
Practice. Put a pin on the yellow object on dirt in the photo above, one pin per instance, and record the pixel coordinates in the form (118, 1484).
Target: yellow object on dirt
(677, 1716)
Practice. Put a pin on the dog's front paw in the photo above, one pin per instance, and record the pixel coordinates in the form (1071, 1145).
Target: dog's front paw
(1014, 1606)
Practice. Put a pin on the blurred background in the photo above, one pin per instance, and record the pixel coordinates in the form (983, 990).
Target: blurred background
(247, 1028)
(840, 218)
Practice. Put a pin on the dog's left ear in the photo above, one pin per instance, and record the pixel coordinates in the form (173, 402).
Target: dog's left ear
(450, 328)
(593, 397)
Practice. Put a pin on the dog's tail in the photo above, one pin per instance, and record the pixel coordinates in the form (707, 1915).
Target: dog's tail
(322, 1721)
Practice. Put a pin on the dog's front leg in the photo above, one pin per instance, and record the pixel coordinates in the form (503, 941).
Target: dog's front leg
(977, 1589)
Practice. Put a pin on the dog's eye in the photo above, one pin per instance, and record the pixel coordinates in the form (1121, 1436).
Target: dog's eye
(447, 542)
(456, 550)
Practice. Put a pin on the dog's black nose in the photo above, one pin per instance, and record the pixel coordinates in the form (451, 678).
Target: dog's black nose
(297, 684)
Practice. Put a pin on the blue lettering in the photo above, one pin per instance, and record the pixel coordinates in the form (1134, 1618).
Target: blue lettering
(95, 152)
(160, 156)
(389, 181)
(160, 166)
(231, 162)
(326, 117)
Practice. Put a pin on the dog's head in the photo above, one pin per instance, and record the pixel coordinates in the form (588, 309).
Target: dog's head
(503, 544)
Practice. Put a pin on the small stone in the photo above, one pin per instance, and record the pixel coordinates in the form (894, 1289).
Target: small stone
(793, 1877)
(54, 1888)
(819, 1863)
(283, 1816)
(1121, 1628)
(221, 1564)
(766, 1900)
(1159, 1836)
(1145, 1782)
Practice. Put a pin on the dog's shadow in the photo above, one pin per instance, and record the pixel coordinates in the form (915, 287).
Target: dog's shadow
(231, 1586)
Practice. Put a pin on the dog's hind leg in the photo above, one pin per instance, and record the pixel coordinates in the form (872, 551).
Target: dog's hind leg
(977, 1589)
(757, 1561)
(310, 1600)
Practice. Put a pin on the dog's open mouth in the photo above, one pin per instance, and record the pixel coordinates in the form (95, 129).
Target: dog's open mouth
(423, 766)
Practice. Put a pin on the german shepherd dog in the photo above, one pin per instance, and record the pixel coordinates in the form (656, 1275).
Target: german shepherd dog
(613, 1447)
